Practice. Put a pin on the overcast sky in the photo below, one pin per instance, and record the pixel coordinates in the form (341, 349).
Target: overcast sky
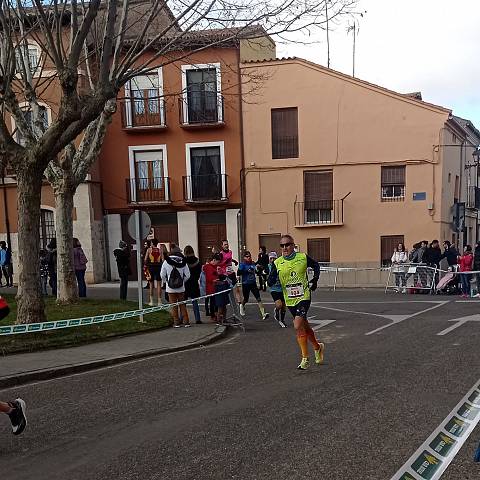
(432, 46)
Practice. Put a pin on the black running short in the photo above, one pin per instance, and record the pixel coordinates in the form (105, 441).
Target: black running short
(277, 296)
(155, 272)
(300, 309)
(233, 278)
(250, 287)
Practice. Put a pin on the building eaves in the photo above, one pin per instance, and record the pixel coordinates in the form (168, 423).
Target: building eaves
(468, 126)
(349, 78)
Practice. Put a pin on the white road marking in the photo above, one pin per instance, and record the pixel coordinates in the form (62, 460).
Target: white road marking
(459, 322)
(320, 323)
(435, 454)
(395, 322)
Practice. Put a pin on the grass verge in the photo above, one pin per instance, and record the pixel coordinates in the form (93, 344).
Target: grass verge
(29, 342)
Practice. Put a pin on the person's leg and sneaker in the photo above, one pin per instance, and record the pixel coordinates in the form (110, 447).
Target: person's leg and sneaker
(123, 286)
(196, 311)
(256, 294)
(173, 298)
(279, 313)
(159, 291)
(43, 284)
(183, 310)
(16, 411)
(82, 286)
(246, 296)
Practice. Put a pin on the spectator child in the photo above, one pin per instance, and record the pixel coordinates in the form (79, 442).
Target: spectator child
(222, 284)
(6, 263)
(210, 270)
(466, 263)
(399, 257)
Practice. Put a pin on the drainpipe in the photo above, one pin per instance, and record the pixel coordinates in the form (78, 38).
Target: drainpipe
(5, 209)
(243, 195)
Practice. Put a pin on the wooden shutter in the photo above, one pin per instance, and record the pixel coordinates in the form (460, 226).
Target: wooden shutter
(319, 249)
(393, 175)
(318, 190)
(388, 245)
(285, 132)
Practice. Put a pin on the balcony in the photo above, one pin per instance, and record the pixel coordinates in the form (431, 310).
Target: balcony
(318, 213)
(201, 111)
(143, 113)
(205, 188)
(473, 198)
(148, 190)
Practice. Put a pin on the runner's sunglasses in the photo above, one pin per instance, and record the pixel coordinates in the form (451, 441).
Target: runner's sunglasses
(286, 245)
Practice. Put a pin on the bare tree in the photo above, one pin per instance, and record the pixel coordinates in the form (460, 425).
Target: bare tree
(109, 42)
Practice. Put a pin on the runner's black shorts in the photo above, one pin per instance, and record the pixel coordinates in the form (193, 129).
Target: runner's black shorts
(277, 296)
(155, 272)
(300, 309)
(250, 287)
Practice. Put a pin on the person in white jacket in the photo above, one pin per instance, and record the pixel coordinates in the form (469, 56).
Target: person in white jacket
(174, 274)
(399, 257)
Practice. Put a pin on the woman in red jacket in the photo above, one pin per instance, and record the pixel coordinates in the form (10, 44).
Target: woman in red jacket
(466, 264)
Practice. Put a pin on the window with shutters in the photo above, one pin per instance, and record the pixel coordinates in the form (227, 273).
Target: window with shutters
(393, 183)
(284, 132)
(319, 249)
(318, 192)
(388, 245)
(47, 227)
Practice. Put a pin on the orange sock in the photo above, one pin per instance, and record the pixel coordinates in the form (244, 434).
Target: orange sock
(302, 342)
(312, 338)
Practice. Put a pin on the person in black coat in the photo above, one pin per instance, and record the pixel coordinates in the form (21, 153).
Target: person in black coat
(476, 264)
(262, 268)
(192, 287)
(432, 257)
(122, 255)
(450, 253)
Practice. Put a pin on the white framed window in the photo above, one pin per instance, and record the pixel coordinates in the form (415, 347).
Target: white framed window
(205, 167)
(45, 113)
(30, 53)
(202, 93)
(148, 173)
(393, 183)
(144, 103)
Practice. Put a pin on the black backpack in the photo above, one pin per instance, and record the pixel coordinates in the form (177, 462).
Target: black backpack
(175, 280)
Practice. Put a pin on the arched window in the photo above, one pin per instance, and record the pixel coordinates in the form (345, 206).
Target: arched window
(47, 227)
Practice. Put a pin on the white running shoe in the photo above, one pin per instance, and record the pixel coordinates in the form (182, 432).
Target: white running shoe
(242, 309)
(18, 416)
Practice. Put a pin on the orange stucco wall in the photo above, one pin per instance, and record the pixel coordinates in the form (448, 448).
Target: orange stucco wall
(351, 128)
(114, 161)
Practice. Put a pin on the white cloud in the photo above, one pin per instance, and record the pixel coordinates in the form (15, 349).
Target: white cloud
(411, 45)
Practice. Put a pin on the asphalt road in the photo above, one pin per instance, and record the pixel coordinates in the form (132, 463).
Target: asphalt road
(241, 410)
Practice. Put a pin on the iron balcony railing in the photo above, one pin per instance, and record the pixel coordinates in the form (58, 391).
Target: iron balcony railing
(145, 112)
(201, 109)
(205, 188)
(319, 212)
(148, 190)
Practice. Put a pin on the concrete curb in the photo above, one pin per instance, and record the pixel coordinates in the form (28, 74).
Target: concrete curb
(57, 372)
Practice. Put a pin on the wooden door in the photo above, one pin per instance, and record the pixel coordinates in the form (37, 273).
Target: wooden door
(167, 234)
(210, 235)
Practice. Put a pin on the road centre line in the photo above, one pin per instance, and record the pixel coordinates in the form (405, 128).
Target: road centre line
(436, 453)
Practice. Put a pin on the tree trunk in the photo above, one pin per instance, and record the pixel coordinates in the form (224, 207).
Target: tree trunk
(67, 282)
(30, 306)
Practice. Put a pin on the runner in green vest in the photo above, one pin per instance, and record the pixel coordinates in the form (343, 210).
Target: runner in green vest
(291, 270)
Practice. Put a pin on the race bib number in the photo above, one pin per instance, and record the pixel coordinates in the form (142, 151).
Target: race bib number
(295, 290)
